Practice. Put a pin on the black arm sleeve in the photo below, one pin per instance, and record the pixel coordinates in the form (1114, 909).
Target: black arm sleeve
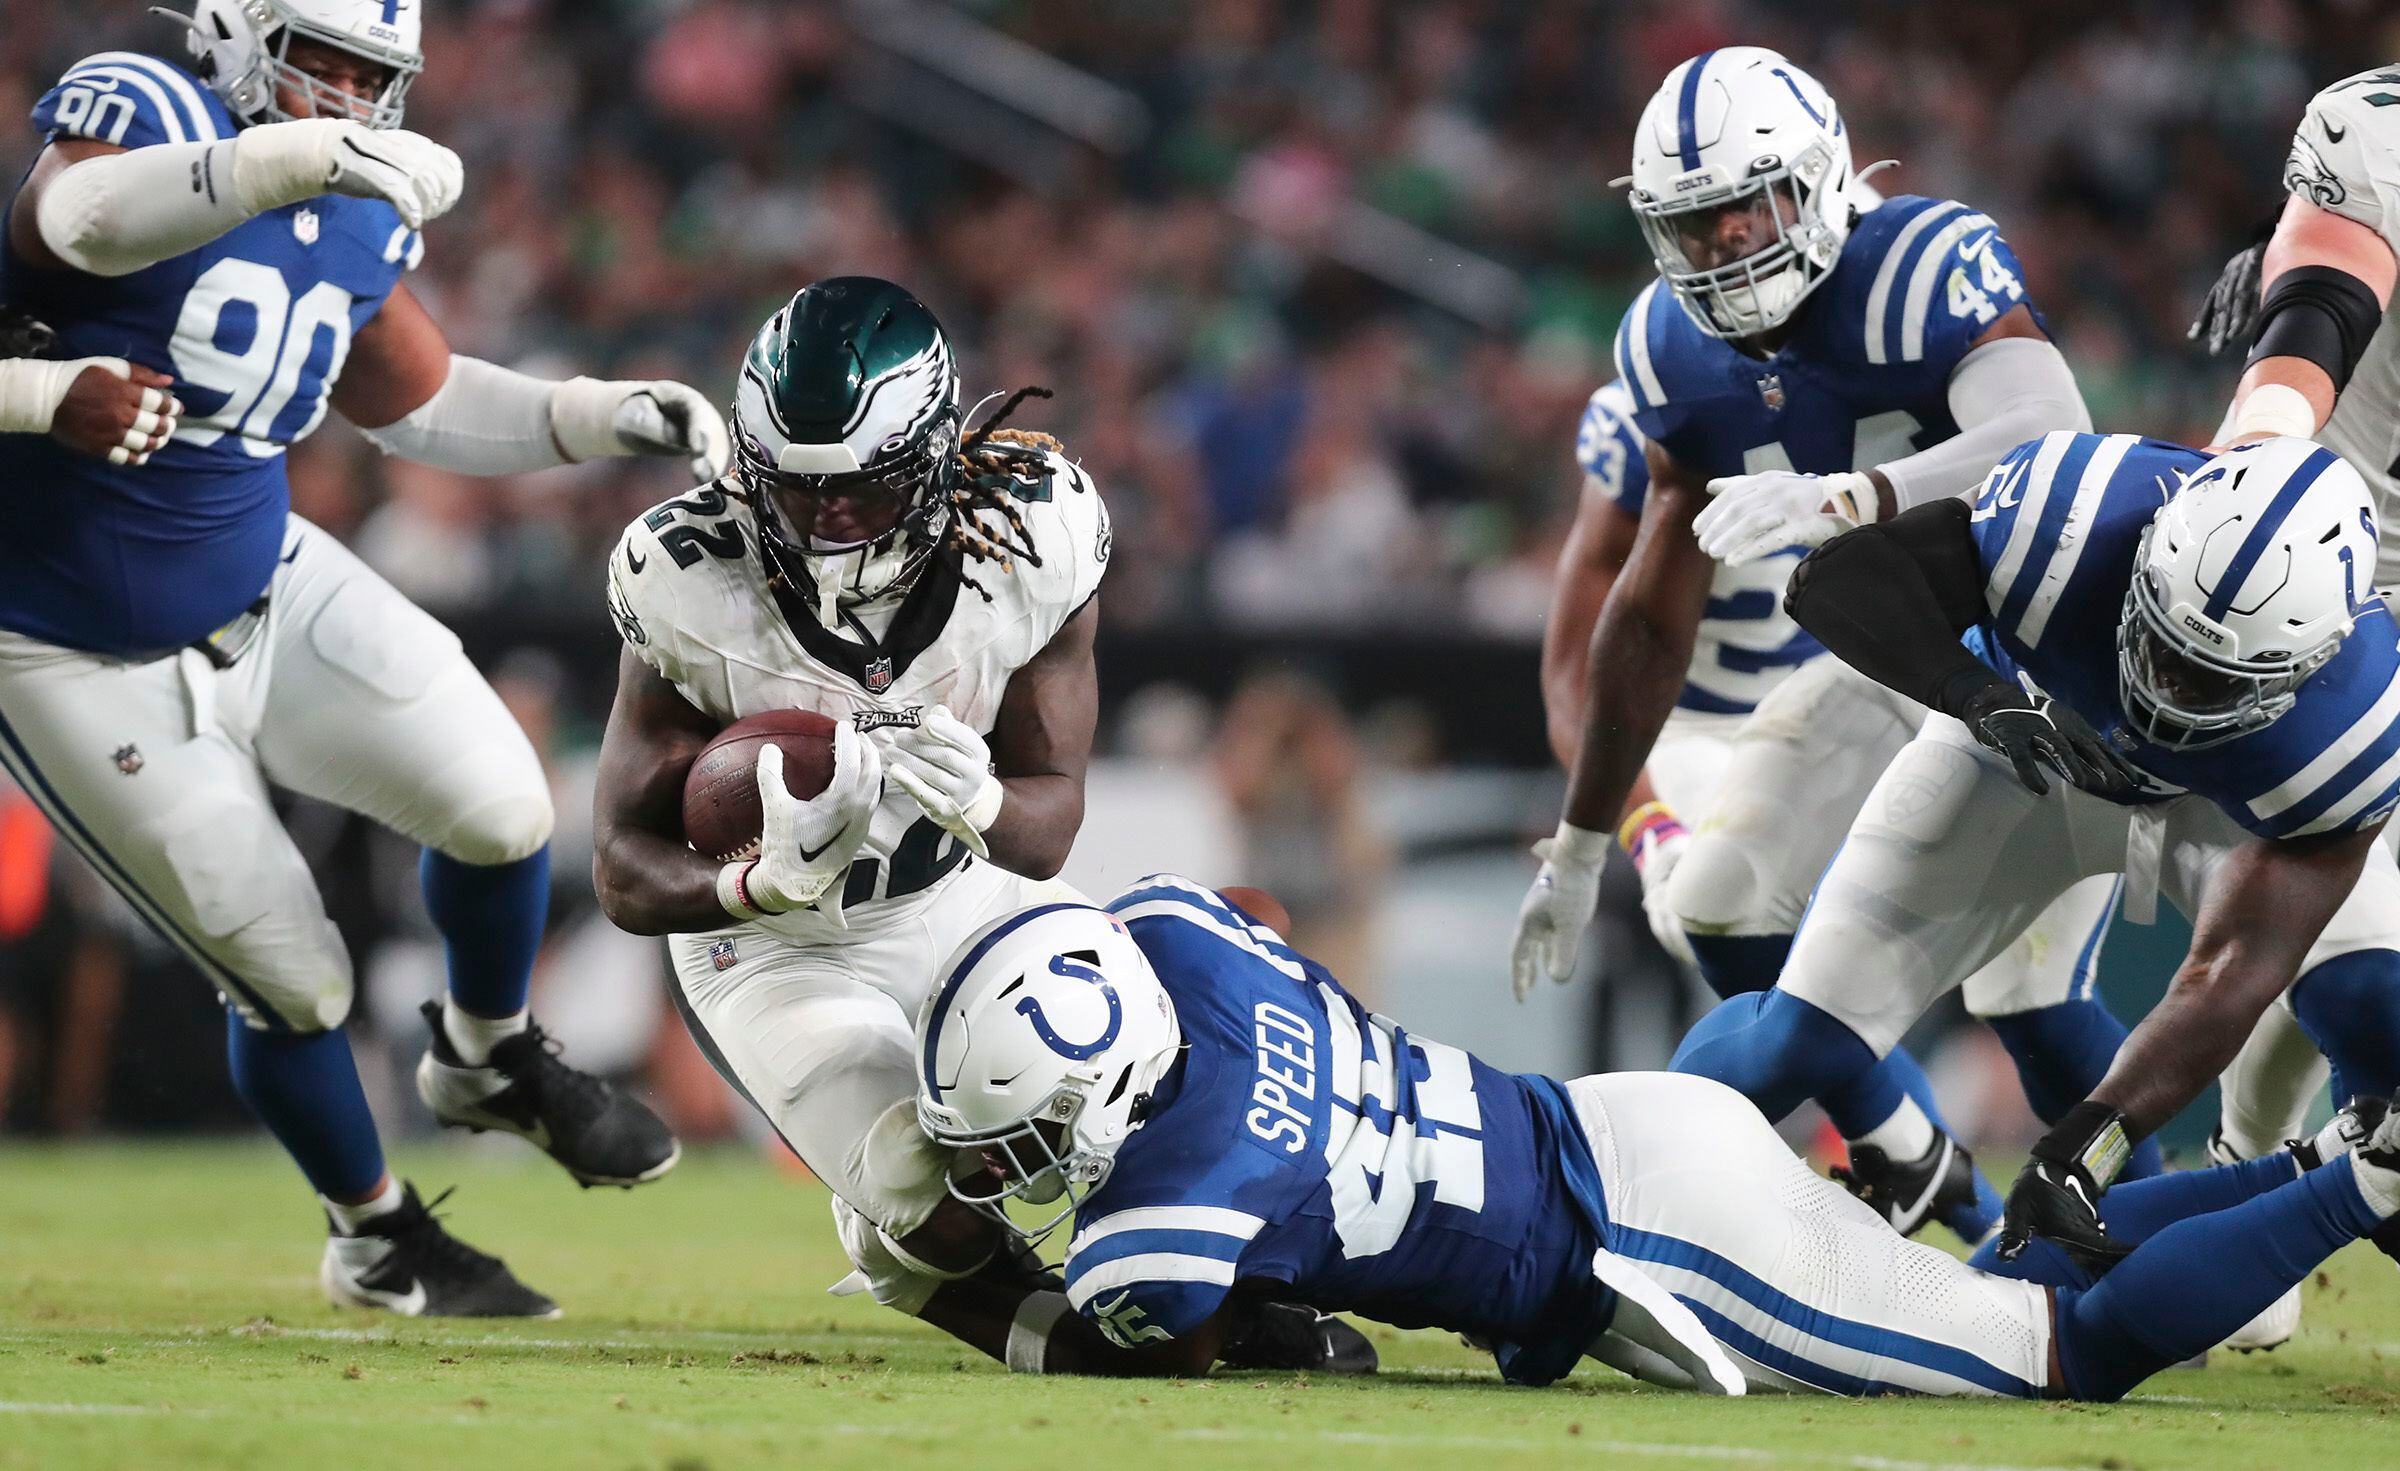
(2321, 314)
(1891, 599)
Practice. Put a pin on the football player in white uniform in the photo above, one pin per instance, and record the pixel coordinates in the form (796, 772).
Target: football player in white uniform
(216, 256)
(935, 595)
(2324, 360)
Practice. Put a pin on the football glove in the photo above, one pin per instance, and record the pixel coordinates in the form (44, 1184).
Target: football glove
(2032, 731)
(2057, 1194)
(1558, 908)
(1752, 515)
(883, 1270)
(276, 164)
(805, 844)
(595, 419)
(2229, 313)
(946, 768)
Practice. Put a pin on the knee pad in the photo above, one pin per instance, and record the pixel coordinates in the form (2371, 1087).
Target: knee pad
(1715, 889)
(301, 988)
(503, 830)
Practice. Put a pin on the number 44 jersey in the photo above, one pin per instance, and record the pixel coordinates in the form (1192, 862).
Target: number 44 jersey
(693, 600)
(253, 326)
(1305, 1141)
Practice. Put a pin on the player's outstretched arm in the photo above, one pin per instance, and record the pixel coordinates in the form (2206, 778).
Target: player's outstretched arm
(413, 397)
(1641, 645)
(1036, 1332)
(2328, 282)
(1016, 799)
(649, 880)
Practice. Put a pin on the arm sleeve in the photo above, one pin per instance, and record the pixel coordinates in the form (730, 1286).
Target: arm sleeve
(2002, 393)
(483, 420)
(1891, 600)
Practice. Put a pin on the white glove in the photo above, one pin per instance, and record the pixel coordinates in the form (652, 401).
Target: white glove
(895, 1279)
(596, 419)
(277, 164)
(1559, 906)
(1753, 515)
(1655, 855)
(804, 845)
(947, 768)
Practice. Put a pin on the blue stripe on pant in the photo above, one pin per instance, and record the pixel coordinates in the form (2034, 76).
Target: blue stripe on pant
(20, 764)
(1863, 1338)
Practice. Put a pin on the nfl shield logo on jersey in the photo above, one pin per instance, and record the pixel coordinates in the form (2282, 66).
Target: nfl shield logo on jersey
(1770, 388)
(721, 954)
(879, 675)
(305, 226)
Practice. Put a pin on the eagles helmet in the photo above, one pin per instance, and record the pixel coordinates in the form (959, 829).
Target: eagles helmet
(2246, 583)
(1743, 186)
(845, 430)
(243, 50)
(1040, 1050)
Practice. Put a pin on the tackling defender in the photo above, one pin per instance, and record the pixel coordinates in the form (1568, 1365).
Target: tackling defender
(2192, 645)
(219, 258)
(1828, 357)
(1219, 1118)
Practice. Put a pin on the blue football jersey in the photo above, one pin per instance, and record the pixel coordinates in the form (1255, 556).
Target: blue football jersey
(254, 327)
(1747, 644)
(1306, 1142)
(2058, 524)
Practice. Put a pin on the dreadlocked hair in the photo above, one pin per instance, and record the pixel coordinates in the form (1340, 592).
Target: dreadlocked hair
(999, 466)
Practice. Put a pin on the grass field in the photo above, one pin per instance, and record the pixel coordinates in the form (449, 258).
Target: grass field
(158, 1307)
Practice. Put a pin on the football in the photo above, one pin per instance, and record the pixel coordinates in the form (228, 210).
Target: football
(721, 813)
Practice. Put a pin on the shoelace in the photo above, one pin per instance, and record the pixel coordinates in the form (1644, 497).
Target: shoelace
(576, 1097)
(422, 1235)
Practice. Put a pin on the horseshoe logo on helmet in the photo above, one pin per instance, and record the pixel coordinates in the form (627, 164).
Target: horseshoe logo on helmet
(1031, 1010)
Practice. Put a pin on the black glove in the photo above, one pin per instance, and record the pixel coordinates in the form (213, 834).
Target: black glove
(2057, 1194)
(2229, 313)
(2034, 731)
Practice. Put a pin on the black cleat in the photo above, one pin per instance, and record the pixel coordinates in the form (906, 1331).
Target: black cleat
(1938, 1185)
(404, 1262)
(601, 1133)
(1266, 1334)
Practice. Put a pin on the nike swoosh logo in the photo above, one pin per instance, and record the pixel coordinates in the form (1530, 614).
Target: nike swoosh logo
(407, 1304)
(1915, 1214)
(633, 563)
(811, 855)
(2334, 134)
(1977, 246)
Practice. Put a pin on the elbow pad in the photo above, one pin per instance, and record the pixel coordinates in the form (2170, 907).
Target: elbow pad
(2321, 314)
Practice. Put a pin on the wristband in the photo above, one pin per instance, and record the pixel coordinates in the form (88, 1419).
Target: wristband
(1851, 496)
(1651, 823)
(2275, 408)
(984, 809)
(733, 890)
(2091, 1138)
(1029, 1331)
(583, 418)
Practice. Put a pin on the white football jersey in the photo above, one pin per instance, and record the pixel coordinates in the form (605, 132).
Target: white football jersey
(690, 597)
(2346, 159)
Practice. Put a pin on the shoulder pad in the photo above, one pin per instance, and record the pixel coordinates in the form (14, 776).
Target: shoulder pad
(2345, 155)
(1152, 1273)
(129, 100)
(1645, 360)
(1941, 274)
(1067, 524)
(1608, 447)
(672, 559)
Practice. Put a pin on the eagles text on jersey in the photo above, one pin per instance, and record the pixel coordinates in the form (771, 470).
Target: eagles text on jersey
(2058, 524)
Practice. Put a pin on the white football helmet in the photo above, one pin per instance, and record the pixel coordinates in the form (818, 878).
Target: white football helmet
(2246, 583)
(242, 48)
(1040, 1050)
(1740, 150)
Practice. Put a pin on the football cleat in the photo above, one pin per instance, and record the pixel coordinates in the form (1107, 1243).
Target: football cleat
(599, 1132)
(1290, 1336)
(404, 1262)
(1938, 1185)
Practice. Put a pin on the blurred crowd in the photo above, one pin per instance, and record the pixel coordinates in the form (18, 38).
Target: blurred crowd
(1321, 287)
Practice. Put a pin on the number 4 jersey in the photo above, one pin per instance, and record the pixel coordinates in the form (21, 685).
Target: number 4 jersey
(692, 599)
(1304, 1141)
(253, 326)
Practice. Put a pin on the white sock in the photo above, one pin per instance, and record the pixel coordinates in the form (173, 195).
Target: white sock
(1905, 1136)
(475, 1036)
(348, 1218)
(2378, 1186)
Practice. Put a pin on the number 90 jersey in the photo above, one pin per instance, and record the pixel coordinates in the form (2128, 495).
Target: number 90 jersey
(691, 599)
(1307, 1142)
(254, 327)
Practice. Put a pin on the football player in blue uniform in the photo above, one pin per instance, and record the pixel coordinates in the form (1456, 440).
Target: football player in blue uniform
(220, 253)
(1219, 1118)
(2190, 647)
(1812, 356)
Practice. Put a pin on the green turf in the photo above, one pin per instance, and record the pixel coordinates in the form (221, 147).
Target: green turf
(158, 1307)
